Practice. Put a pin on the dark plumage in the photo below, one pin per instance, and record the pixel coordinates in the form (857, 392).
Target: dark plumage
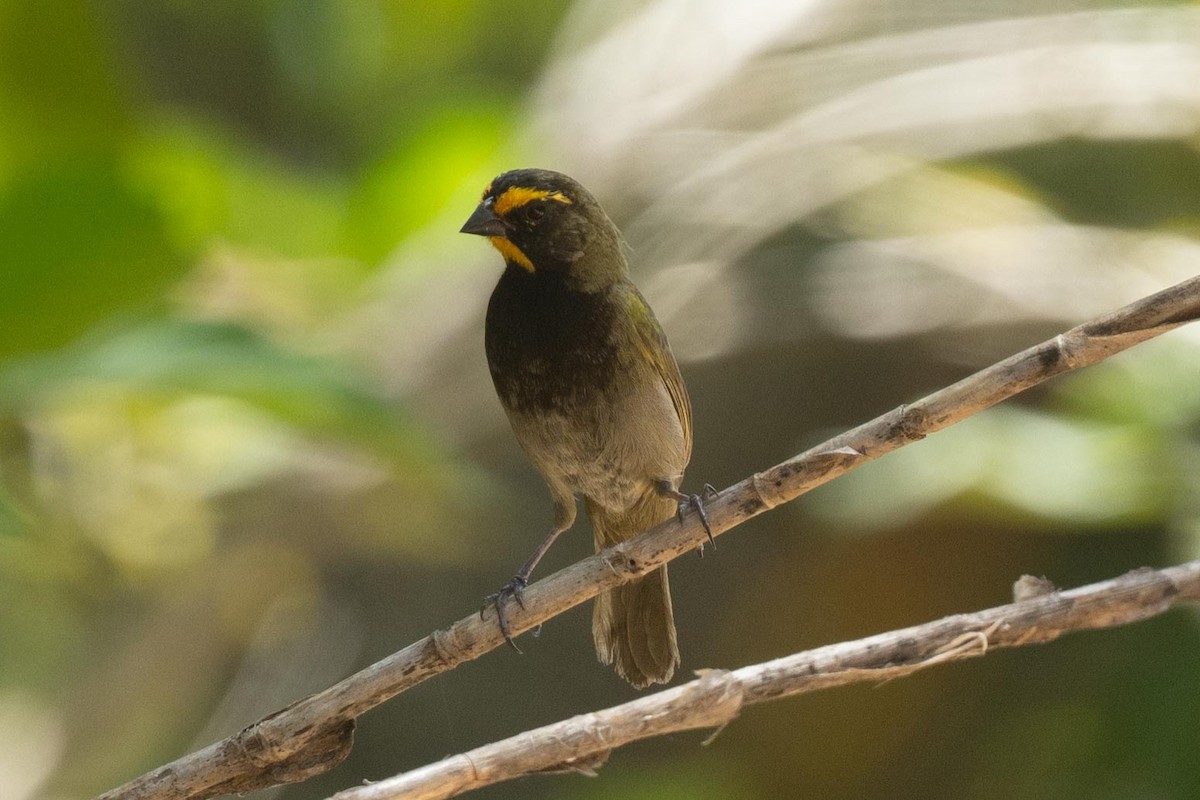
(594, 396)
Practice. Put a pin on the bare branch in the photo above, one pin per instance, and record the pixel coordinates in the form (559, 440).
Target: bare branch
(314, 734)
(716, 698)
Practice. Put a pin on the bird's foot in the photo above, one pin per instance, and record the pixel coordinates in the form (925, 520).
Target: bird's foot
(695, 501)
(514, 589)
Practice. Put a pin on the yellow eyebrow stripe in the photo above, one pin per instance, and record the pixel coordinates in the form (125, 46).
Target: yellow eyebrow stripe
(511, 252)
(517, 196)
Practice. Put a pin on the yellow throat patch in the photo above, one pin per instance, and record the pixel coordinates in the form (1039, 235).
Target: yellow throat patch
(511, 252)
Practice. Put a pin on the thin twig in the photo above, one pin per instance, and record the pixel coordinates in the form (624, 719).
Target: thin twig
(314, 734)
(717, 696)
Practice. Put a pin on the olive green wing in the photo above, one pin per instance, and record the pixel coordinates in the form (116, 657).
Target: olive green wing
(654, 347)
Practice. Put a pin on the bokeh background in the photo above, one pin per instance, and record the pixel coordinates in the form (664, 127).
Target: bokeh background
(248, 443)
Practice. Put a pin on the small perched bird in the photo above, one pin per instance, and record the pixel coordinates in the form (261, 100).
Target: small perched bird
(593, 394)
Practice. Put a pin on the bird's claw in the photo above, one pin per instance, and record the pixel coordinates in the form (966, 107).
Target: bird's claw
(514, 589)
(696, 502)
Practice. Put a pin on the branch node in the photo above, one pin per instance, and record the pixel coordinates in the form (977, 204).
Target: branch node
(622, 562)
(606, 560)
(1067, 344)
(288, 760)
(446, 651)
(912, 422)
(722, 693)
(474, 767)
(1028, 587)
(767, 489)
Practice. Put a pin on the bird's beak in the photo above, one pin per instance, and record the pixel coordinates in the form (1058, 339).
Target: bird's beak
(484, 222)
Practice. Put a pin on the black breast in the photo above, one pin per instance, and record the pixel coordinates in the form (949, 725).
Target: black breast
(549, 345)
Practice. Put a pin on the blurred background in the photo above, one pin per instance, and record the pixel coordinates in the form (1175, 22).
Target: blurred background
(248, 443)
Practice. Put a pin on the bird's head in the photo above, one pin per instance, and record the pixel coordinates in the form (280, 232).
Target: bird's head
(546, 223)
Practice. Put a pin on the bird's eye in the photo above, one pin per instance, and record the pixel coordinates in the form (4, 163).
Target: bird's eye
(536, 212)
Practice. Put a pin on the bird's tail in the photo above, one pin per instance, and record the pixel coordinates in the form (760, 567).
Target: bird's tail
(632, 624)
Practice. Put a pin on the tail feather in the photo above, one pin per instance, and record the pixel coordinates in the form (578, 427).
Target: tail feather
(632, 624)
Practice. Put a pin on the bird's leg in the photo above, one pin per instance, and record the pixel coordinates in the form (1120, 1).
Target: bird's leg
(564, 516)
(666, 489)
(516, 588)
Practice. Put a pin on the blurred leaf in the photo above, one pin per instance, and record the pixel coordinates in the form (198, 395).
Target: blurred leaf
(39, 624)
(1158, 385)
(333, 51)
(32, 734)
(1076, 471)
(281, 210)
(207, 183)
(13, 521)
(1123, 183)
(1081, 729)
(177, 356)
(1069, 471)
(411, 185)
(79, 244)
(58, 91)
(181, 167)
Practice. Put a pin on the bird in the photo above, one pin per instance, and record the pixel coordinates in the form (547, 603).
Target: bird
(593, 394)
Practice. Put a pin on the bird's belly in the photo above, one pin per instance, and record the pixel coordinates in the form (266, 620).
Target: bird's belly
(612, 451)
(569, 448)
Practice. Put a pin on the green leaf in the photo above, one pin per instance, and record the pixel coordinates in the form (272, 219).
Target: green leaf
(78, 244)
(316, 394)
(1065, 470)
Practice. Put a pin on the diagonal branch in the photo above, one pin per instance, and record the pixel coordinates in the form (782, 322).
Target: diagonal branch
(313, 734)
(584, 742)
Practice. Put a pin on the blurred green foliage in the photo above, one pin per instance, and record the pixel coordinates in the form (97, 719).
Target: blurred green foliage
(177, 356)
(152, 156)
